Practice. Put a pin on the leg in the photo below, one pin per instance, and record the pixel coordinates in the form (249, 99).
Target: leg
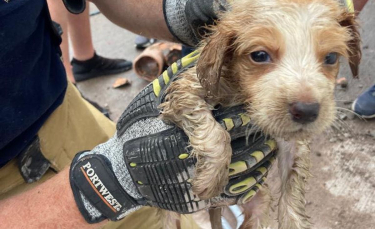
(256, 211)
(294, 171)
(80, 34)
(215, 218)
(169, 219)
(186, 107)
(73, 119)
(86, 63)
(60, 15)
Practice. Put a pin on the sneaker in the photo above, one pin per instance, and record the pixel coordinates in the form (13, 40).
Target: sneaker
(142, 42)
(364, 105)
(98, 66)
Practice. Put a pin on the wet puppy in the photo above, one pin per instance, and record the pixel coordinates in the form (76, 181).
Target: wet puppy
(280, 59)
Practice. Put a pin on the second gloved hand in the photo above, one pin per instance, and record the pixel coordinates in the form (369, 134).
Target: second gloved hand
(148, 162)
(186, 18)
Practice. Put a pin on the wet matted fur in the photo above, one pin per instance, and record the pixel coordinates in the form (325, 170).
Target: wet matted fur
(297, 35)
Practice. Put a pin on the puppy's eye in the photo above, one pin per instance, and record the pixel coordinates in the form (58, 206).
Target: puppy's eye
(260, 57)
(331, 58)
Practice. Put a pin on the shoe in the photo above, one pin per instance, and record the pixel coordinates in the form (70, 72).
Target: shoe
(142, 42)
(364, 105)
(98, 66)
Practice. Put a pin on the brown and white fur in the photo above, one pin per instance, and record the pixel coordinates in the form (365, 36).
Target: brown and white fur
(297, 34)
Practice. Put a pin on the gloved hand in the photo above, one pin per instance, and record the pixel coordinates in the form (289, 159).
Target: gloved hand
(148, 162)
(186, 18)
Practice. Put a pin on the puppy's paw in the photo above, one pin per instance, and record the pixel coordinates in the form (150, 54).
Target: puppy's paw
(212, 169)
(209, 183)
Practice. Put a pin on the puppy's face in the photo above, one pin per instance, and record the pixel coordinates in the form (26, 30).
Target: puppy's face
(284, 56)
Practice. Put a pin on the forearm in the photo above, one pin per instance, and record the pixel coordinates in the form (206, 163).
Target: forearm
(146, 17)
(49, 205)
(139, 16)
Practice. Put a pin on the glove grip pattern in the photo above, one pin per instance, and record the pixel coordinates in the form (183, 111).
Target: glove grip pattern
(162, 170)
(145, 104)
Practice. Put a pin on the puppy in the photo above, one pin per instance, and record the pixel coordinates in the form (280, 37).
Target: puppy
(280, 59)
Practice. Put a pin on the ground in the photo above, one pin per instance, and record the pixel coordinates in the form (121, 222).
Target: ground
(341, 192)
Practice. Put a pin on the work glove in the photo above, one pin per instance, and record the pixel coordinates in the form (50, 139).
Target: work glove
(186, 19)
(148, 162)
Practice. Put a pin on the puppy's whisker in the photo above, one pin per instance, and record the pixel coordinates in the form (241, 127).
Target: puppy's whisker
(248, 132)
(342, 126)
(253, 131)
(350, 111)
(335, 127)
(340, 100)
(339, 121)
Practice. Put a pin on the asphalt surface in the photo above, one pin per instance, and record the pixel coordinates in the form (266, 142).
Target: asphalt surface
(341, 194)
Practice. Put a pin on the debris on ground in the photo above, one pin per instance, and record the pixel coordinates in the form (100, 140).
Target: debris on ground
(343, 82)
(332, 140)
(372, 133)
(120, 82)
(343, 116)
(351, 116)
(151, 62)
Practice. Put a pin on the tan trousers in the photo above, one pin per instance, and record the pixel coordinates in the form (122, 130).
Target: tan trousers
(75, 126)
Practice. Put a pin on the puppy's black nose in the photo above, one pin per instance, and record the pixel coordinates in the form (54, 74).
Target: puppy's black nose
(304, 112)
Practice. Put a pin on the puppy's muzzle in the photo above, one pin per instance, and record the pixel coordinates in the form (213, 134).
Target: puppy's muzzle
(304, 112)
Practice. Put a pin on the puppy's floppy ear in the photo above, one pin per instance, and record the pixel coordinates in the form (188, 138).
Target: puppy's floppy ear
(354, 44)
(215, 53)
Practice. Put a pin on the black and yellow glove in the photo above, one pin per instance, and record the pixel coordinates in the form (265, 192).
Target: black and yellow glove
(162, 168)
(135, 168)
(148, 162)
(186, 19)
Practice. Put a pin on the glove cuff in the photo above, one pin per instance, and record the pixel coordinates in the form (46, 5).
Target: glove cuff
(96, 190)
(174, 15)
